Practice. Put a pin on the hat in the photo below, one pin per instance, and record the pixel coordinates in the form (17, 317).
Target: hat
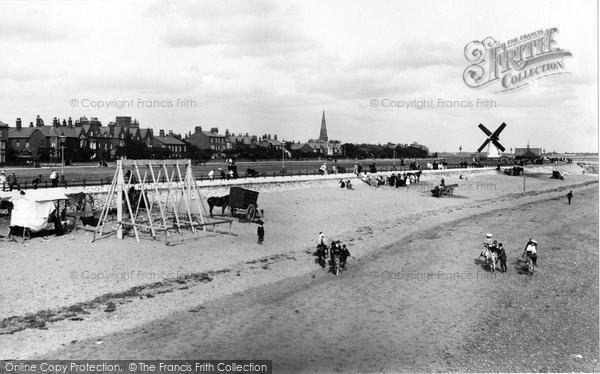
(533, 241)
(488, 235)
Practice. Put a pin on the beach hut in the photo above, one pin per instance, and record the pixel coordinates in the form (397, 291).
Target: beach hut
(32, 208)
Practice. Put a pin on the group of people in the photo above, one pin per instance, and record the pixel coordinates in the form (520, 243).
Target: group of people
(493, 246)
(346, 184)
(335, 168)
(232, 172)
(11, 182)
(337, 254)
(403, 179)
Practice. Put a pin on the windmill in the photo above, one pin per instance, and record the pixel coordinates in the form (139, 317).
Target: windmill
(492, 141)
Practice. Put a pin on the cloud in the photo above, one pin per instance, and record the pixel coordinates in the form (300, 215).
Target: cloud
(235, 29)
(31, 25)
(414, 55)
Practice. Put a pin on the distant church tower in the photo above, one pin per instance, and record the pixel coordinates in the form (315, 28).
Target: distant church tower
(323, 134)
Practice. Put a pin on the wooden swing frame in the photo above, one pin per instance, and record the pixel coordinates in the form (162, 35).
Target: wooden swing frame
(180, 192)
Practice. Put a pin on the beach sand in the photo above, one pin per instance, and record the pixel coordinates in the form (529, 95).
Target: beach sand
(273, 302)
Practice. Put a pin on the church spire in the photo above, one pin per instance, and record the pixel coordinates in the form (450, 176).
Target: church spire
(323, 134)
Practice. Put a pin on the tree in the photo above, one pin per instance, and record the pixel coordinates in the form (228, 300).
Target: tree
(133, 149)
(160, 153)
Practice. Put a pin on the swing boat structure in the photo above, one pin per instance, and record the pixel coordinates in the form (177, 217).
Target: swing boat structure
(155, 196)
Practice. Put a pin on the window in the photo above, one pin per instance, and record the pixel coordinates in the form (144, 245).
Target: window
(18, 143)
(27, 144)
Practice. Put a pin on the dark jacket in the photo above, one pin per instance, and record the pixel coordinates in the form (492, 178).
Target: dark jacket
(502, 254)
(260, 231)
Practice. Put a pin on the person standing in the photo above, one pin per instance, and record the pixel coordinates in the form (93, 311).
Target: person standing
(211, 175)
(3, 180)
(88, 206)
(344, 254)
(321, 240)
(570, 196)
(502, 258)
(531, 251)
(260, 231)
(12, 181)
(54, 178)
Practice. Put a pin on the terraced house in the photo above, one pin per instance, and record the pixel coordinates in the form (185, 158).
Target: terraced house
(3, 141)
(209, 139)
(25, 143)
(176, 147)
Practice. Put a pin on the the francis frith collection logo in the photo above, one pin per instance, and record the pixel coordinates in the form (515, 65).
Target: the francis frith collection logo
(516, 62)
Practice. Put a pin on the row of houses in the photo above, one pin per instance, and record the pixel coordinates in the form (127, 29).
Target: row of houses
(36, 140)
(217, 142)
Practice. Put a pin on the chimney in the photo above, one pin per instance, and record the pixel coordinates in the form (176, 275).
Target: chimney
(226, 132)
(70, 122)
(275, 136)
(197, 129)
(55, 122)
(246, 134)
(18, 124)
(214, 130)
(161, 132)
(111, 128)
(269, 136)
(171, 132)
(30, 124)
(38, 121)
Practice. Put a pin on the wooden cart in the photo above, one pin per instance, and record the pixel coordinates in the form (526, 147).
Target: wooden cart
(244, 200)
(439, 191)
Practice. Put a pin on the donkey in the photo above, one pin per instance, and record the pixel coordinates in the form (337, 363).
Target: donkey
(222, 201)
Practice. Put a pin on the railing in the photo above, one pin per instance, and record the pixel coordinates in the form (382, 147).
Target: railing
(108, 180)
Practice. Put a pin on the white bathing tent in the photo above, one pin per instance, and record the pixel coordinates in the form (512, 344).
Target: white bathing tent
(32, 209)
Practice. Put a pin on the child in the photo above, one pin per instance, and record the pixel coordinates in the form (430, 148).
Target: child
(487, 243)
(261, 232)
(344, 254)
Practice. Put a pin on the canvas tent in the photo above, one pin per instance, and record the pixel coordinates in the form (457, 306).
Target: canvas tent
(32, 209)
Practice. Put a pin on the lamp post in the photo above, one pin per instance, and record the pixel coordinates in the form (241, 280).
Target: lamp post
(460, 153)
(62, 147)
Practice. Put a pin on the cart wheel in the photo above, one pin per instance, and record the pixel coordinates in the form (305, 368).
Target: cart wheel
(250, 212)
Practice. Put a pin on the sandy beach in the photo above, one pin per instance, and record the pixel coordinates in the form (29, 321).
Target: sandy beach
(225, 296)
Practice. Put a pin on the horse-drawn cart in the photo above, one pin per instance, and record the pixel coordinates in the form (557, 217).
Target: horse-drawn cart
(243, 199)
(439, 191)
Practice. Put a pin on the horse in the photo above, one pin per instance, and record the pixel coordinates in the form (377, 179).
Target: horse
(222, 201)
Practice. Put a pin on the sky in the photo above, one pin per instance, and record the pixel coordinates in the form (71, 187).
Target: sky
(273, 67)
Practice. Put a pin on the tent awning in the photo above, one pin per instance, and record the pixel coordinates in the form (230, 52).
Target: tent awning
(41, 195)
